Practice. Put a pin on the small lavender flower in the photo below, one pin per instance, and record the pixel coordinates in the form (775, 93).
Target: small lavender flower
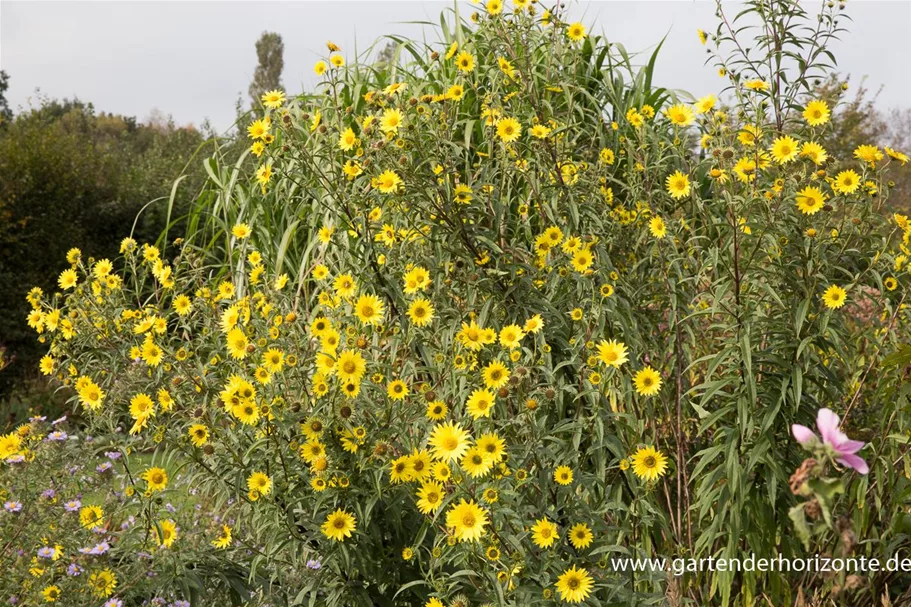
(73, 570)
(46, 552)
(113, 455)
(12, 506)
(14, 600)
(57, 436)
(96, 549)
(38, 418)
(48, 494)
(72, 505)
(15, 459)
(313, 564)
(102, 468)
(113, 603)
(170, 508)
(180, 604)
(59, 420)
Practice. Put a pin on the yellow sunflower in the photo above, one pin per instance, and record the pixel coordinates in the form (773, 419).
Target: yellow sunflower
(369, 309)
(508, 129)
(576, 32)
(680, 114)
(156, 478)
(810, 200)
(476, 463)
(449, 441)
(834, 297)
(237, 343)
(580, 536)
(391, 121)
(612, 353)
(678, 185)
(574, 585)
(784, 149)
(339, 525)
(467, 521)
(260, 483)
(421, 312)
(397, 389)
(350, 366)
(647, 382)
(430, 497)
(563, 475)
(846, 182)
(649, 464)
(544, 533)
(496, 375)
(816, 113)
(480, 403)
(657, 227)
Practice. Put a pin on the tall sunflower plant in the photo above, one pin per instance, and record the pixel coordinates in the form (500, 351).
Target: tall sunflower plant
(475, 328)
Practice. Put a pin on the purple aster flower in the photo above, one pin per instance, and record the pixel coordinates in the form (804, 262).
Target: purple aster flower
(46, 552)
(100, 548)
(57, 436)
(835, 441)
(102, 468)
(15, 459)
(12, 506)
(180, 604)
(48, 494)
(72, 505)
(38, 418)
(313, 564)
(113, 603)
(113, 455)
(59, 420)
(73, 570)
(170, 508)
(14, 600)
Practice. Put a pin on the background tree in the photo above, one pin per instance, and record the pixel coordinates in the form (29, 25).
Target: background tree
(6, 114)
(268, 75)
(386, 56)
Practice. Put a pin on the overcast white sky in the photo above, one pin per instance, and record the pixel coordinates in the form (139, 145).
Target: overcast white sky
(192, 59)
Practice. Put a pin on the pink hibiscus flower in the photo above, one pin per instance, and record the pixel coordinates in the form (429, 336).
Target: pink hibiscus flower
(844, 448)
